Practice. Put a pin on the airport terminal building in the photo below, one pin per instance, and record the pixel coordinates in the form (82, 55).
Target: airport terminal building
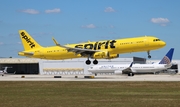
(65, 67)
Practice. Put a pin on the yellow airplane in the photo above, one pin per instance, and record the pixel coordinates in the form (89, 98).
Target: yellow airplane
(106, 49)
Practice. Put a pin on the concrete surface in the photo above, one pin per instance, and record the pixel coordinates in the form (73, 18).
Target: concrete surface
(146, 77)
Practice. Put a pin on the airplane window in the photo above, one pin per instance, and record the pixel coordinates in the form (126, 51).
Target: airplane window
(156, 40)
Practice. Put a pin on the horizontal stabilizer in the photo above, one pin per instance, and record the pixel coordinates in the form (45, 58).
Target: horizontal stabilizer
(26, 53)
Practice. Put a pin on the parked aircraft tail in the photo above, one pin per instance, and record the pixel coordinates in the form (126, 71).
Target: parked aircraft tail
(168, 57)
(27, 41)
(5, 69)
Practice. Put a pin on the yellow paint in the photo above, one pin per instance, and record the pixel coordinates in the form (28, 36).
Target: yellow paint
(127, 45)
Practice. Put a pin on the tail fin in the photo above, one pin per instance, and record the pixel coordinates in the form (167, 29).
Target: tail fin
(5, 69)
(168, 57)
(27, 41)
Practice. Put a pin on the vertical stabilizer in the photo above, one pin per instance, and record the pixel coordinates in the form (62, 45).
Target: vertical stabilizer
(5, 69)
(27, 41)
(168, 57)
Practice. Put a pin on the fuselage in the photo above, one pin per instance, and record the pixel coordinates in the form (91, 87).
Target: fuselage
(113, 47)
(136, 68)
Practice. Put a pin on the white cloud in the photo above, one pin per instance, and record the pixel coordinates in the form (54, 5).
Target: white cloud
(111, 26)
(56, 10)
(109, 9)
(1, 43)
(30, 11)
(161, 21)
(19, 43)
(89, 26)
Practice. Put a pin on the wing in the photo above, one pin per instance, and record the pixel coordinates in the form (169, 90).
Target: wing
(83, 52)
(128, 70)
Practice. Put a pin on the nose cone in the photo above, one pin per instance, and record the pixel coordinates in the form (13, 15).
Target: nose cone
(163, 43)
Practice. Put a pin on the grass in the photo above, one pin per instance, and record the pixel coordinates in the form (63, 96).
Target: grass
(89, 94)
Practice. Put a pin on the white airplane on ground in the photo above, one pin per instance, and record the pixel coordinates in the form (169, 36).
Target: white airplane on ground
(2, 72)
(134, 68)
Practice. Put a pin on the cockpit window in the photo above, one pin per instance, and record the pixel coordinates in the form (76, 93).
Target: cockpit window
(156, 40)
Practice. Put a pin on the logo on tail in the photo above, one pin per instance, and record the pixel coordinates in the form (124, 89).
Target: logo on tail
(167, 59)
(28, 40)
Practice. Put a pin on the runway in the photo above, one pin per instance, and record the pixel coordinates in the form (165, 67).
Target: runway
(96, 78)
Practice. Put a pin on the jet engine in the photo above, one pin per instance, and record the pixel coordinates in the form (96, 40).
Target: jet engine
(106, 55)
(100, 55)
(111, 56)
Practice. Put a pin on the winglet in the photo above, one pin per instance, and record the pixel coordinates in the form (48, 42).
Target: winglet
(57, 44)
(168, 57)
(131, 64)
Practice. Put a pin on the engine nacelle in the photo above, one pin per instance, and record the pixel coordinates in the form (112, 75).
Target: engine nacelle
(100, 55)
(118, 72)
(111, 56)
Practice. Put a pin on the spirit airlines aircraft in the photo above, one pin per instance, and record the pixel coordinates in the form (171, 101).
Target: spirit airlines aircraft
(106, 49)
(134, 68)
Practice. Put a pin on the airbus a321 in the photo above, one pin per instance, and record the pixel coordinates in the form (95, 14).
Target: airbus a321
(134, 68)
(106, 49)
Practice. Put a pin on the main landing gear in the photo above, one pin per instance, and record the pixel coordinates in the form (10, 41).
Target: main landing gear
(130, 74)
(88, 62)
(149, 56)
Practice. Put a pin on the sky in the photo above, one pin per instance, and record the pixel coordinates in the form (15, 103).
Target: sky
(74, 21)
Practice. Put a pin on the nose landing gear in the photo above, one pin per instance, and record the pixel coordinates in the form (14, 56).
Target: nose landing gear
(149, 56)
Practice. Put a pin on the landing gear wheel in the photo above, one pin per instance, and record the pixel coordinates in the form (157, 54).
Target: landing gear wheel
(130, 74)
(149, 56)
(88, 62)
(95, 62)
